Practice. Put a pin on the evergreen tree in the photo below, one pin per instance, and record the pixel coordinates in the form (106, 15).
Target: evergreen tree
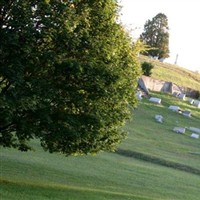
(156, 36)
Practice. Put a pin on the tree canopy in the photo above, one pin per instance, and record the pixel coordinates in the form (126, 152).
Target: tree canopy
(156, 36)
(68, 72)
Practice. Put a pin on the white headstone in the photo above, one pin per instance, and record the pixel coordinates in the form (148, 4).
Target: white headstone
(194, 135)
(139, 95)
(196, 103)
(186, 113)
(175, 108)
(191, 101)
(155, 57)
(179, 130)
(194, 129)
(155, 100)
(159, 118)
(175, 94)
(161, 59)
(182, 96)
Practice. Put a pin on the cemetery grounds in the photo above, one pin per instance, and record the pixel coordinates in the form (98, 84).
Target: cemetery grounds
(153, 163)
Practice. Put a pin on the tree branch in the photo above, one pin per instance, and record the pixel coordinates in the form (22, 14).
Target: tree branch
(7, 127)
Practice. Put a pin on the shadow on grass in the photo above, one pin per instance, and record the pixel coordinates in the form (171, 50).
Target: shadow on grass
(159, 161)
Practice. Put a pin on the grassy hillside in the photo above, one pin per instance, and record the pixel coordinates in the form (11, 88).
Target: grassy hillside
(153, 163)
(159, 139)
(174, 73)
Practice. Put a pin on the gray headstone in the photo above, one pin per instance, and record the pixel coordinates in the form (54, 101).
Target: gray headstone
(194, 129)
(191, 101)
(194, 135)
(174, 108)
(155, 100)
(186, 113)
(159, 118)
(196, 103)
(155, 57)
(139, 95)
(179, 130)
(175, 94)
(182, 96)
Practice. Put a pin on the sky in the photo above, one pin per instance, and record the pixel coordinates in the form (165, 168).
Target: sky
(184, 26)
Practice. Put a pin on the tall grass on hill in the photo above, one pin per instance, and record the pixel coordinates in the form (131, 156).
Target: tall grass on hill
(174, 73)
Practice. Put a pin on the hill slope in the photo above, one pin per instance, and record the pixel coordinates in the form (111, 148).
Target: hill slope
(174, 73)
(42, 176)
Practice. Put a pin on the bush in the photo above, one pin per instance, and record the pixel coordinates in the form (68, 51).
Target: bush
(146, 68)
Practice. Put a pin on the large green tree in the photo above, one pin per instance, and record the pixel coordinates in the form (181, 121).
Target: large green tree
(68, 72)
(156, 36)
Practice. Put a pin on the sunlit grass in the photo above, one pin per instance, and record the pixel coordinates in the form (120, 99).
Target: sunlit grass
(174, 73)
(149, 137)
(39, 175)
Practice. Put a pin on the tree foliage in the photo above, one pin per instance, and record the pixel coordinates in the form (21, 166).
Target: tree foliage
(67, 75)
(156, 36)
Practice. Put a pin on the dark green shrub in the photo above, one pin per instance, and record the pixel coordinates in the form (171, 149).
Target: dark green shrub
(146, 68)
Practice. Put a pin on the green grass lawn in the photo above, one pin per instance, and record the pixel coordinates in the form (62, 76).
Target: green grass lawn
(159, 140)
(38, 175)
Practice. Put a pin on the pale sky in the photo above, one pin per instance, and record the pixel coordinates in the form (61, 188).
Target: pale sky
(184, 26)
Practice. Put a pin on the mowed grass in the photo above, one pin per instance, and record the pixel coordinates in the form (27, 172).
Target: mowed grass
(147, 136)
(39, 175)
(106, 176)
(174, 73)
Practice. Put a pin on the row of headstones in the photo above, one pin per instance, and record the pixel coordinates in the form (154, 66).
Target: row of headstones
(172, 107)
(178, 95)
(182, 96)
(181, 130)
(159, 118)
(185, 113)
(195, 134)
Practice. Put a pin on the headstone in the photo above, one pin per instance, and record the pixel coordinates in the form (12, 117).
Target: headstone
(175, 94)
(186, 113)
(182, 96)
(159, 118)
(155, 57)
(174, 108)
(142, 85)
(191, 101)
(179, 130)
(196, 103)
(161, 59)
(194, 135)
(194, 129)
(139, 95)
(155, 100)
